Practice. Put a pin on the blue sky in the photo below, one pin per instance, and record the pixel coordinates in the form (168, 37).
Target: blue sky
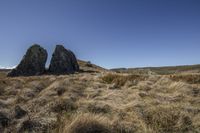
(110, 33)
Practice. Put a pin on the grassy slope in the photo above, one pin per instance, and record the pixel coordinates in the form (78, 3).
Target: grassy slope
(102, 101)
(162, 70)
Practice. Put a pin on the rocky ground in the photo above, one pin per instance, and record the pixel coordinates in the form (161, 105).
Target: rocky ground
(100, 101)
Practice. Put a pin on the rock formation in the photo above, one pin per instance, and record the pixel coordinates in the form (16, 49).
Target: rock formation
(33, 63)
(63, 61)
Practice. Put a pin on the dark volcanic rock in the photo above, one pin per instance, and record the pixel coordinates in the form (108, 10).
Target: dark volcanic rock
(33, 63)
(63, 61)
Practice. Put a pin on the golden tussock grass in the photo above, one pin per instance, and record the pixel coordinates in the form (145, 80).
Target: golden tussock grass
(120, 80)
(87, 123)
(83, 103)
(165, 118)
(188, 78)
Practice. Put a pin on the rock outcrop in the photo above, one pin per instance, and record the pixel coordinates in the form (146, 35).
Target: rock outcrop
(33, 63)
(63, 61)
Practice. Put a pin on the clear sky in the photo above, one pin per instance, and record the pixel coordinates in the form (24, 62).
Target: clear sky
(110, 33)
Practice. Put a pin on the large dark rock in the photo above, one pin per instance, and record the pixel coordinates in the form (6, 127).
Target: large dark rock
(33, 63)
(63, 61)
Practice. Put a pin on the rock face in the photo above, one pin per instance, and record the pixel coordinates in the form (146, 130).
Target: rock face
(63, 61)
(33, 63)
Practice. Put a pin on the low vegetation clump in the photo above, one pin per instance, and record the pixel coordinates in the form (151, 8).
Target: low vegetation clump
(168, 119)
(99, 108)
(188, 78)
(88, 123)
(121, 80)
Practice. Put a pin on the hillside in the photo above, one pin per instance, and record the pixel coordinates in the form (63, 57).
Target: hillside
(161, 70)
(87, 66)
(97, 100)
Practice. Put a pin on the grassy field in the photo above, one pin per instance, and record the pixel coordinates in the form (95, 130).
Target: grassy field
(167, 70)
(101, 101)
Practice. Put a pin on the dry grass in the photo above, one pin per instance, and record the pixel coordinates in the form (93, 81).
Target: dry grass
(120, 80)
(84, 103)
(3, 74)
(168, 119)
(188, 78)
(88, 123)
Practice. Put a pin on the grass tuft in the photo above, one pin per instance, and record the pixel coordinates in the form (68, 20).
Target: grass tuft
(88, 123)
(121, 80)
